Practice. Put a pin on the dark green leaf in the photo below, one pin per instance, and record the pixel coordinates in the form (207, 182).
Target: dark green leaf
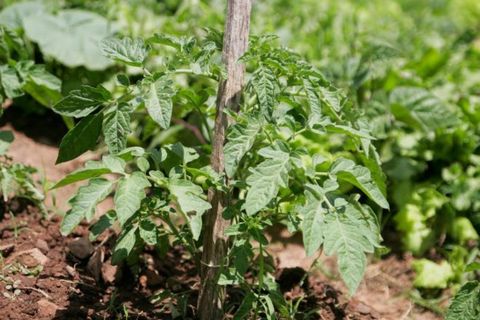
(6, 138)
(81, 138)
(79, 175)
(125, 245)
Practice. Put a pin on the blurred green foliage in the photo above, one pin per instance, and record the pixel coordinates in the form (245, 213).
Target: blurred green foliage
(410, 67)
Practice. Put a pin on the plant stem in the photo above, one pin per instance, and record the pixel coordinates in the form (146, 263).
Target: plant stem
(215, 242)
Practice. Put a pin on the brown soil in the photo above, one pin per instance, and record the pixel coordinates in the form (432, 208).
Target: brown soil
(65, 287)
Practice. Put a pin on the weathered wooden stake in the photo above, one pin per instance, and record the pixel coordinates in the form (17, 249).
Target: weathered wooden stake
(215, 245)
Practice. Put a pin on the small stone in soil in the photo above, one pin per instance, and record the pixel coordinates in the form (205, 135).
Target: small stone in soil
(81, 248)
(110, 273)
(46, 308)
(42, 245)
(31, 258)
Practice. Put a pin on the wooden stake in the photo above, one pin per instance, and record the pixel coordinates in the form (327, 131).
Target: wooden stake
(215, 244)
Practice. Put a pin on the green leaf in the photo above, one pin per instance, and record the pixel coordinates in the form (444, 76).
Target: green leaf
(84, 202)
(129, 195)
(313, 100)
(466, 303)
(105, 222)
(330, 98)
(158, 101)
(125, 245)
(264, 84)
(419, 108)
(349, 239)
(337, 128)
(127, 50)
(81, 138)
(72, 37)
(430, 274)
(246, 306)
(265, 181)
(6, 138)
(148, 232)
(79, 175)
(82, 102)
(143, 164)
(10, 82)
(43, 86)
(313, 223)
(116, 127)
(360, 177)
(187, 195)
(14, 15)
(180, 43)
(114, 163)
(7, 183)
(240, 139)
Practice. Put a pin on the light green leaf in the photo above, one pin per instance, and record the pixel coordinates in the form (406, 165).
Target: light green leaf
(114, 163)
(188, 196)
(81, 138)
(240, 139)
(125, 245)
(116, 127)
(419, 108)
(349, 239)
(14, 15)
(127, 50)
(330, 98)
(360, 177)
(7, 183)
(180, 43)
(466, 303)
(265, 181)
(313, 223)
(264, 84)
(337, 128)
(313, 100)
(129, 195)
(82, 102)
(43, 86)
(84, 202)
(72, 37)
(432, 275)
(10, 82)
(158, 101)
(143, 164)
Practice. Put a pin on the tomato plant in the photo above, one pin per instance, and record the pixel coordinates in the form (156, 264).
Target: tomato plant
(267, 177)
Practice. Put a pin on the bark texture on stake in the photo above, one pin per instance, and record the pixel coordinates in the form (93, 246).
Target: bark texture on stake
(215, 244)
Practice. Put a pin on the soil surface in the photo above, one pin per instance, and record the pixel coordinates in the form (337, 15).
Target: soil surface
(46, 276)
